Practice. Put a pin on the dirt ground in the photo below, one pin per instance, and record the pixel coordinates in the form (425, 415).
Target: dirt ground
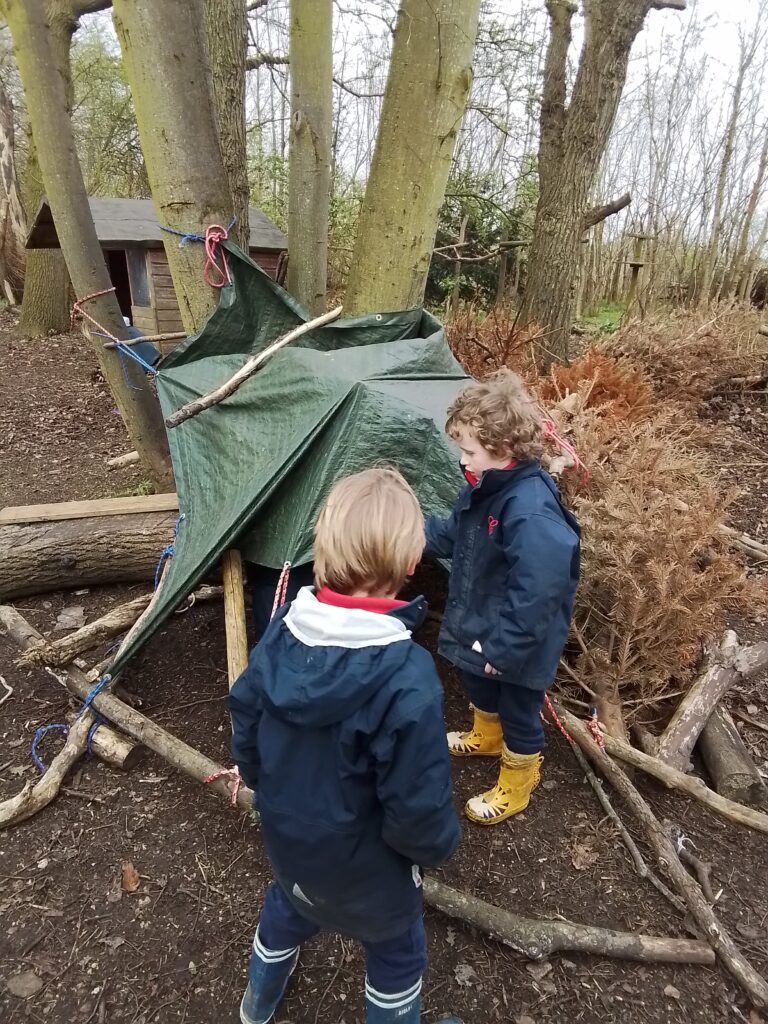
(177, 949)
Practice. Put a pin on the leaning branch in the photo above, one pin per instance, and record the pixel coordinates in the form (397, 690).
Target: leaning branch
(186, 412)
(600, 213)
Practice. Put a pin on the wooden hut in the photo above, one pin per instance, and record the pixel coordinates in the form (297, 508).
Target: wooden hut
(132, 241)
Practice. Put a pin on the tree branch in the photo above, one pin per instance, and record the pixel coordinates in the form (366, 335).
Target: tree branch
(81, 7)
(674, 5)
(256, 5)
(260, 60)
(553, 110)
(599, 213)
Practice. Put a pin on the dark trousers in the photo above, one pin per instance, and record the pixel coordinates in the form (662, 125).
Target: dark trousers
(394, 966)
(518, 708)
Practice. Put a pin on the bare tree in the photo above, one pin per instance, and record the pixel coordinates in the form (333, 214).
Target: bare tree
(573, 139)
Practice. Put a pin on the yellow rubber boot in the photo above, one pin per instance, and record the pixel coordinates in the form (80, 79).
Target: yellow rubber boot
(518, 777)
(484, 739)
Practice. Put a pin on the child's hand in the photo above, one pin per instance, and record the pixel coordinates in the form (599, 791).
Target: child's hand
(490, 670)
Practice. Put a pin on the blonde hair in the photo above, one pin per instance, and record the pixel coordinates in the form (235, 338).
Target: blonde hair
(369, 533)
(501, 414)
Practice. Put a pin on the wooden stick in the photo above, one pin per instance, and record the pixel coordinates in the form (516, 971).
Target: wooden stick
(728, 762)
(731, 957)
(234, 614)
(179, 754)
(58, 511)
(761, 726)
(752, 548)
(732, 663)
(247, 370)
(673, 779)
(763, 329)
(168, 336)
(120, 461)
(34, 796)
(113, 623)
(112, 748)
(537, 939)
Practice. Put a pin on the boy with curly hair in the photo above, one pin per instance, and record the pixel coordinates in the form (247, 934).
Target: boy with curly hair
(338, 727)
(514, 551)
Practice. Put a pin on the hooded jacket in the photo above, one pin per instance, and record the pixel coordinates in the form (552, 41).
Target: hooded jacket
(338, 727)
(514, 551)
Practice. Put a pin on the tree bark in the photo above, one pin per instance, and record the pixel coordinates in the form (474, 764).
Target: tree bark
(736, 273)
(309, 166)
(597, 214)
(40, 557)
(49, 116)
(573, 138)
(13, 225)
(165, 55)
(727, 760)
(226, 26)
(429, 80)
(728, 665)
(46, 302)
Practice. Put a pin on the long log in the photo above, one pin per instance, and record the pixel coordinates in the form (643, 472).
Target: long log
(728, 952)
(728, 665)
(673, 779)
(39, 557)
(58, 653)
(537, 939)
(179, 754)
(727, 760)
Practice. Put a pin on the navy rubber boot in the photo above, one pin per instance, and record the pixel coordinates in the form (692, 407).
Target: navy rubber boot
(402, 1008)
(269, 973)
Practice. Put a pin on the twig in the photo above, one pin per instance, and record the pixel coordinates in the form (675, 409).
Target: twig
(8, 690)
(640, 865)
(247, 370)
(744, 718)
(732, 958)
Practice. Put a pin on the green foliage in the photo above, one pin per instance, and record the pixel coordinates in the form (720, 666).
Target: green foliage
(605, 320)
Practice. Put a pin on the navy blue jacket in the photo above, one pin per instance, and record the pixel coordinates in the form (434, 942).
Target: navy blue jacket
(338, 727)
(514, 551)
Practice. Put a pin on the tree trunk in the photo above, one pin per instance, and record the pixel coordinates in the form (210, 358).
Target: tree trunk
(729, 145)
(573, 139)
(13, 224)
(309, 165)
(46, 303)
(39, 557)
(226, 27)
(728, 762)
(165, 51)
(65, 188)
(429, 80)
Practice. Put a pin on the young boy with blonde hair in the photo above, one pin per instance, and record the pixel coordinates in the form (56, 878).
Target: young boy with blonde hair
(514, 553)
(338, 727)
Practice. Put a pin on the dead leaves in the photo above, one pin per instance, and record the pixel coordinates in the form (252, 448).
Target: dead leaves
(584, 855)
(129, 879)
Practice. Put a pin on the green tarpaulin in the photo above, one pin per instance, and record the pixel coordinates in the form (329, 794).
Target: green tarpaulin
(254, 470)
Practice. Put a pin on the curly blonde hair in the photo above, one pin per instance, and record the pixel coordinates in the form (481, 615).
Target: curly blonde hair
(502, 415)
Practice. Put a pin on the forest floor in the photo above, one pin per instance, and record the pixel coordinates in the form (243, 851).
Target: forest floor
(176, 950)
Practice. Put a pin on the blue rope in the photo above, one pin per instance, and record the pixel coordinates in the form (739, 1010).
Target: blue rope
(39, 733)
(169, 551)
(190, 236)
(92, 732)
(127, 350)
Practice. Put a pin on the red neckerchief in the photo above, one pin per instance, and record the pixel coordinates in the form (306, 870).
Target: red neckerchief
(473, 480)
(380, 605)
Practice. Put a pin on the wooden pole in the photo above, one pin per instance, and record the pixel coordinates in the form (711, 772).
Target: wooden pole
(727, 760)
(234, 615)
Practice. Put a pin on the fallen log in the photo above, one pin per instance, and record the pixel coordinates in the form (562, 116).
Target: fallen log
(537, 939)
(39, 557)
(113, 749)
(750, 547)
(247, 370)
(34, 796)
(673, 779)
(729, 664)
(730, 955)
(179, 754)
(728, 762)
(61, 652)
